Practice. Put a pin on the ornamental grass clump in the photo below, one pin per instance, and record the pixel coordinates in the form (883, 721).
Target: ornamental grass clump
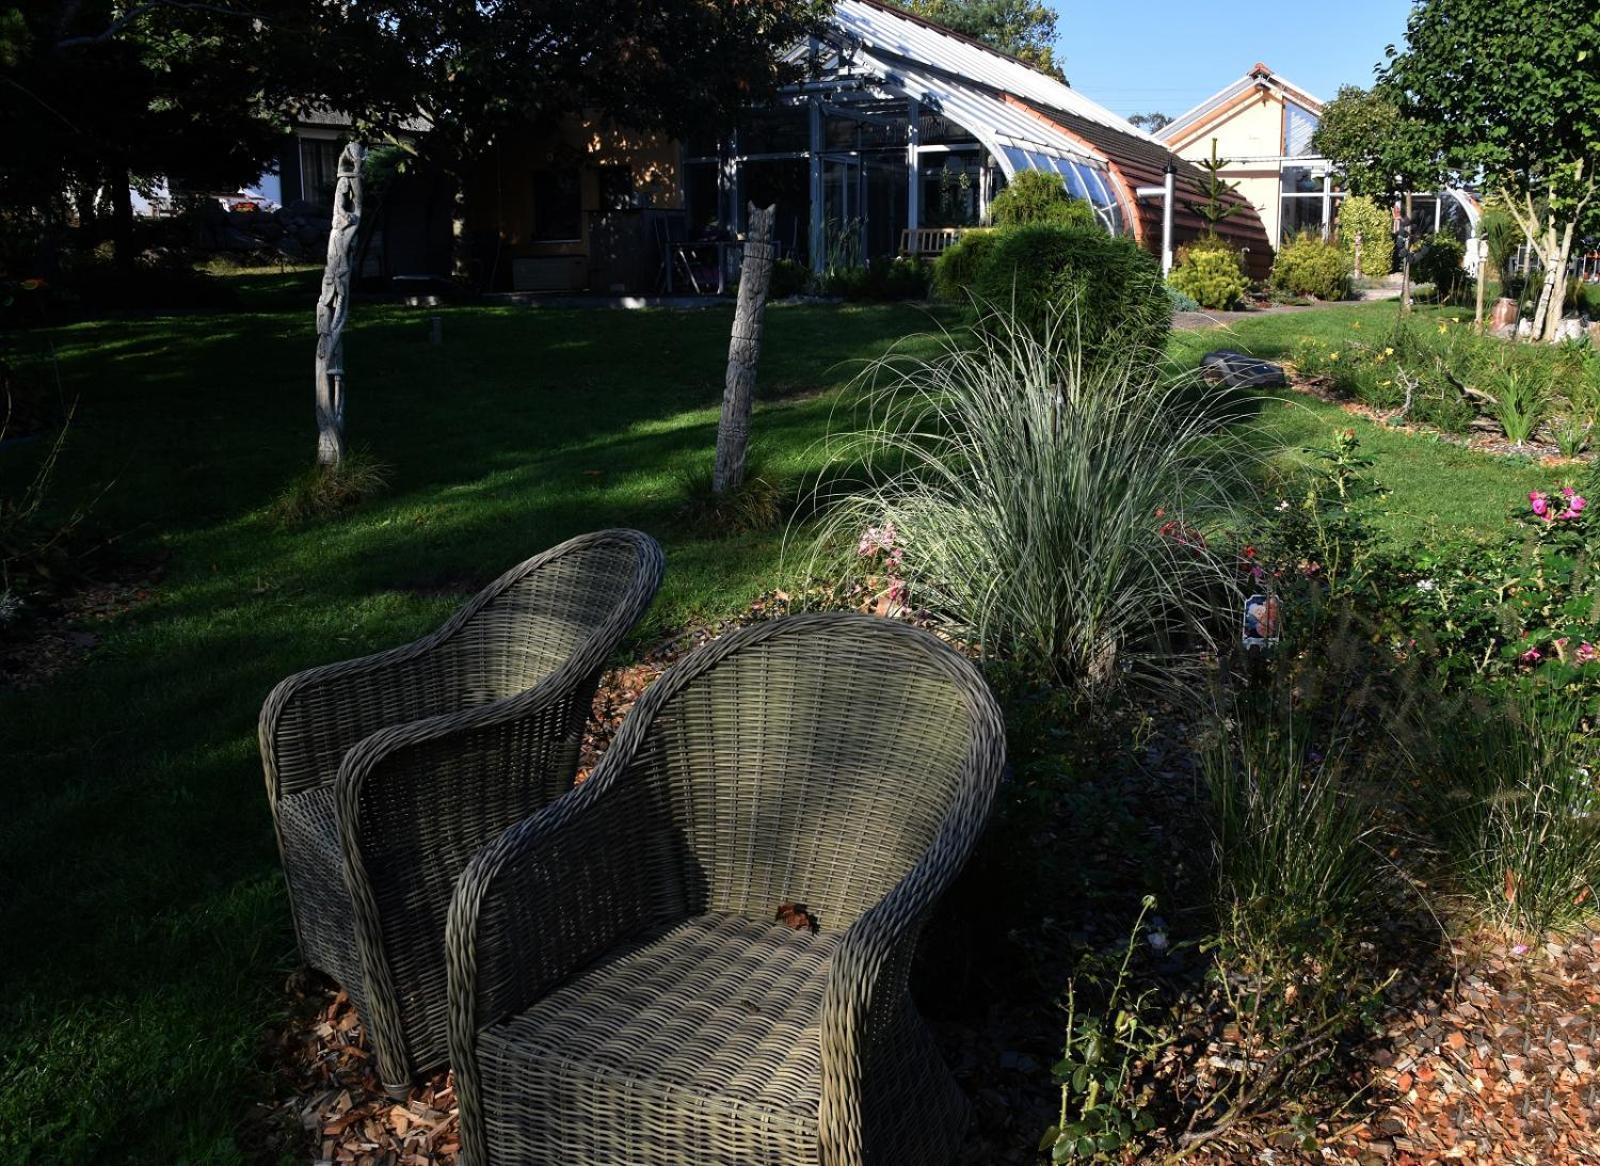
(1050, 511)
(1519, 813)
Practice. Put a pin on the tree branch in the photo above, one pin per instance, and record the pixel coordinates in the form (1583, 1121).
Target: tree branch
(138, 10)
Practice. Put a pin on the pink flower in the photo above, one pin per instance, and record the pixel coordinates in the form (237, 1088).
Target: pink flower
(1577, 503)
(876, 539)
(1541, 505)
(1520, 949)
(1586, 653)
(1532, 656)
(1567, 491)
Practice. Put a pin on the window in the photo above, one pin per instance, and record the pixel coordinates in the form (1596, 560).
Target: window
(319, 169)
(1301, 205)
(1298, 127)
(557, 206)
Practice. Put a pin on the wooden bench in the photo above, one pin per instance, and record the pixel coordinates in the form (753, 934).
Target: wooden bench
(931, 241)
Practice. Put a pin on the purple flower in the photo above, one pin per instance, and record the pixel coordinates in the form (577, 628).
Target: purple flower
(1586, 653)
(1541, 505)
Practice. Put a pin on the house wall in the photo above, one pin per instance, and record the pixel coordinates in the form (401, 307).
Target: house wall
(1250, 135)
(613, 247)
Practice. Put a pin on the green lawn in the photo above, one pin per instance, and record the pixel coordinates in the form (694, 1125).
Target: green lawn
(1436, 486)
(142, 903)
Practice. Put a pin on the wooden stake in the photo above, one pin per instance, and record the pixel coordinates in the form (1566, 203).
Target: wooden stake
(744, 352)
(333, 306)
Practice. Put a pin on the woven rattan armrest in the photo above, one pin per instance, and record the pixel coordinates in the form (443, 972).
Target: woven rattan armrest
(414, 802)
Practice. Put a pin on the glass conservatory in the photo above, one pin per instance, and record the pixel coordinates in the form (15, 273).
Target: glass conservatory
(898, 139)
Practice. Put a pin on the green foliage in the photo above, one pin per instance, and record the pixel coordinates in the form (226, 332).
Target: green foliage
(1439, 263)
(1308, 266)
(1102, 1112)
(1360, 216)
(326, 491)
(1215, 205)
(790, 277)
(956, 270)
(1502, 235)
(1378, 147)
(1025, 29)
(1105, 291)
(40, 553)
(1519, 809)
(1036, 197)
(881, 281)
(755, 505)
(1049, 508)
(1521, 395)
(1211, 273)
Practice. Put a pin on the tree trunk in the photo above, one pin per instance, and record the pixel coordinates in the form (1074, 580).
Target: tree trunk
(1556, 286)
(120, 183)
(460, 251)
(333, 306)
(744, 352)
(1483, 278)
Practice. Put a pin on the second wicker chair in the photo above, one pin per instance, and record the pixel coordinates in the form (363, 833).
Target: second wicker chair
(385, 774)
(620, 987)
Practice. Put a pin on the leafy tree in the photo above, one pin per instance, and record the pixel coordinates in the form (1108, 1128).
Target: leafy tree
(1508, 91)
(1152, 122)
(1214, 206)
(98, 95)
(477, 72)
(1026, 29)
(1382, 152)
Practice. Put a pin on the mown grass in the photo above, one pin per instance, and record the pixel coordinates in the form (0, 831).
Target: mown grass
(142, 904)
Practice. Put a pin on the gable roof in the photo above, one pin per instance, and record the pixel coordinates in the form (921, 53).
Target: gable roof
(1260, 79)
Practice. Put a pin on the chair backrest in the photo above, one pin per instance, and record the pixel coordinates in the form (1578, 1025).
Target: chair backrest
(531, 620)
(815, 760)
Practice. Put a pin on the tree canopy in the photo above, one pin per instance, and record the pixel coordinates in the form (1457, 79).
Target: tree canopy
(1026, 29)
(1508, 92)
(1379, 151)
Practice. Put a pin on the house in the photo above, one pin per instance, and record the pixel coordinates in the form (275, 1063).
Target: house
(1262, 124)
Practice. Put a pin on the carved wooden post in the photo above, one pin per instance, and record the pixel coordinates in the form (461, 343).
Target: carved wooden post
(744, 351)
(333, 306)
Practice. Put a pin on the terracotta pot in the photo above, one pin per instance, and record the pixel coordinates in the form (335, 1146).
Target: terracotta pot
(1504, 314)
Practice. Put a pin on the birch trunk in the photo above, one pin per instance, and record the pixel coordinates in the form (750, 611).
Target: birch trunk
(744, 352)
(333, 306)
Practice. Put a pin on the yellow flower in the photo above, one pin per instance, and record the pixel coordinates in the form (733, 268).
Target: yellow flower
(1356, 325)
(1443, 328)
(1333, 356)
(1388, 352)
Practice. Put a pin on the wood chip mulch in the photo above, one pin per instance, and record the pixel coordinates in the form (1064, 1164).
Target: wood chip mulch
(54, 635)
(1503, 1070)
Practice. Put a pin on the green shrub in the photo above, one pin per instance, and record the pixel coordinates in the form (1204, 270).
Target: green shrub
(790, 277)
(1182, 302)
(1211, 273)
(1036, 197)
(1439, 263)
(1048, 509)
(1307, 265)
(1520, 811)
(956, 269)
(1359, 215)
(754, 505)
(1105, 291)
(881, 280)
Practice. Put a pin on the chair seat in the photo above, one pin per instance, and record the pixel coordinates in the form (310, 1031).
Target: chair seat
(700, 1043)
(314, 862)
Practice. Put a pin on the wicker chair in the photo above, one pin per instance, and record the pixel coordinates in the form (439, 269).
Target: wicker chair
(387, 773)
(620, 991)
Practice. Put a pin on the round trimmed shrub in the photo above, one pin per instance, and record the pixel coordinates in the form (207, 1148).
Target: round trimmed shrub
(1309, 266)
(1104, 289)
(957, 266)
(1036, 197)
(1211, 273)
(1359, 215)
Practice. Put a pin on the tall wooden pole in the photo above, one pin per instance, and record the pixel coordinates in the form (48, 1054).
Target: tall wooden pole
(744, 351)
(333, 306)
